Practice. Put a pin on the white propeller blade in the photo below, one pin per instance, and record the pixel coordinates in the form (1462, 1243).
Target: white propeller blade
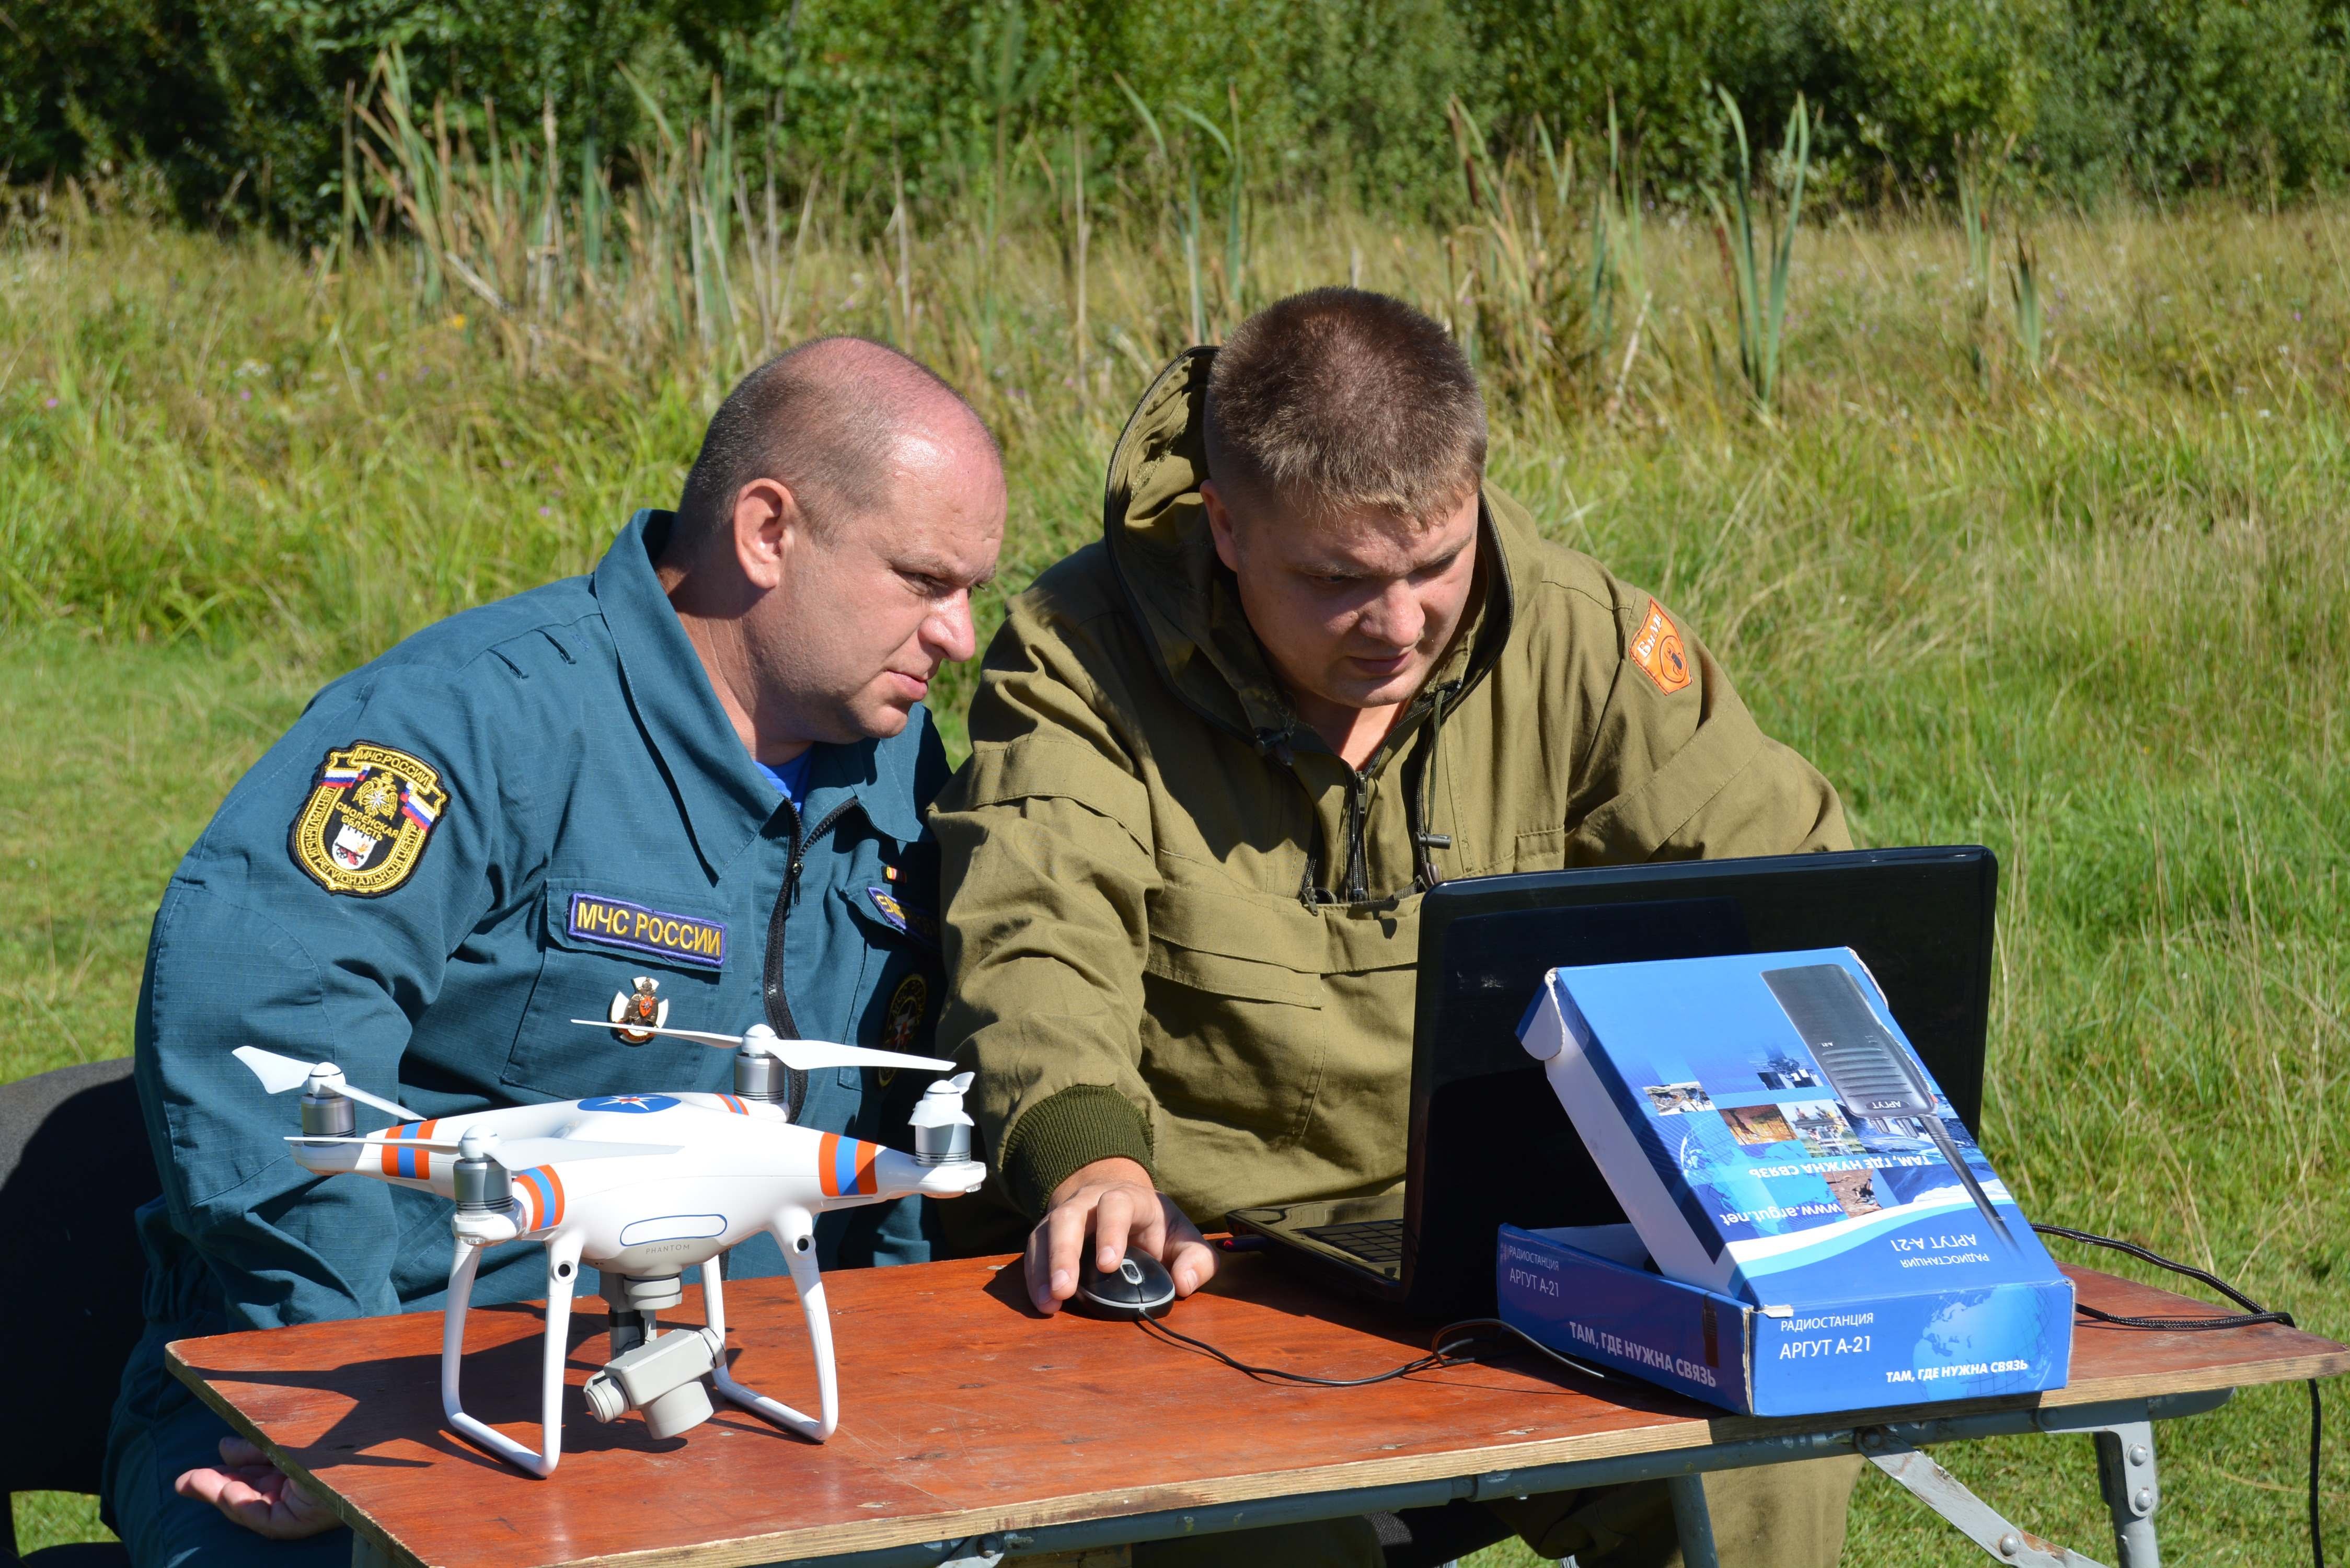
(810, 1055)
(390, 1108)
(516, 1154)
(807, 1055)
(703, 1036)
(278, 1073)
(941, 1104)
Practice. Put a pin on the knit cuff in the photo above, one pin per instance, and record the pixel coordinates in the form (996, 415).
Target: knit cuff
(1062, 1134)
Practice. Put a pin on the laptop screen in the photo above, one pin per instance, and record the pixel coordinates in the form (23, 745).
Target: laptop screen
(1489, 1143)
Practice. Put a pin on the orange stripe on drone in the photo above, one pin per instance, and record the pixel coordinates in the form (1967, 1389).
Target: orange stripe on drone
(843, 1167)
(413, 1164)
(540, 1191)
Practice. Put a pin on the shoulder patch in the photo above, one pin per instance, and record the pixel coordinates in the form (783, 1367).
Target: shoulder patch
(363, 827)
(1657, 649)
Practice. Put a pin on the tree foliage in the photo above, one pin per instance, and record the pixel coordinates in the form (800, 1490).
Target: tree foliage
(239, 104)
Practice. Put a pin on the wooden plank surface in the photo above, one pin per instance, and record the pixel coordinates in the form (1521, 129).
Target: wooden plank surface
(964, 1412)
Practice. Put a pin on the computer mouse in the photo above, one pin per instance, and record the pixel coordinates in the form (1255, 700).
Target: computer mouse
(1140, 1286)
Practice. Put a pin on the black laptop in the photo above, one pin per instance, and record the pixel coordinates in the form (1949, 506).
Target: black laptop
(1489, 1141)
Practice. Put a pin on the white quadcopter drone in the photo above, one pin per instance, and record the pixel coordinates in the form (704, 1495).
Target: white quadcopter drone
(640, 1187)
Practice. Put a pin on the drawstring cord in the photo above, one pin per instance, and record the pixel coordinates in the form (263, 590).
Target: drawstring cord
(1424, 843)
(1419, 804)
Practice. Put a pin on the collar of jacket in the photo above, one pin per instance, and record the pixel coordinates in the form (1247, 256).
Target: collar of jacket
(1156, 529)
(727, 802)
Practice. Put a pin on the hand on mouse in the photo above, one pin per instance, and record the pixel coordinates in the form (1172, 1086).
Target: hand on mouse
(1114, 1202)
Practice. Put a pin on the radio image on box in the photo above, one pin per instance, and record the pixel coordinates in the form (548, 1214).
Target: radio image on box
(1789, 1166)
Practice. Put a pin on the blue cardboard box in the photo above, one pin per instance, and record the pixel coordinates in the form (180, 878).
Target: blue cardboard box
(1826, 1234)
(1588, 1293)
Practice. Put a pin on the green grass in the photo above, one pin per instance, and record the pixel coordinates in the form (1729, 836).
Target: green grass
(2098, 619)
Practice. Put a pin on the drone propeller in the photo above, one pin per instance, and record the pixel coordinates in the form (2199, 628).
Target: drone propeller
(807, 1055)
(278, 1073)
(941, 1105)
(514, 1154)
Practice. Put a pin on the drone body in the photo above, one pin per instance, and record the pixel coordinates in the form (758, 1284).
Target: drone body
(639, 1186)
(659, 1182)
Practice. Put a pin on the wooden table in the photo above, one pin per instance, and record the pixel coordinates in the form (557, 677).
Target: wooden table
(971, 1427)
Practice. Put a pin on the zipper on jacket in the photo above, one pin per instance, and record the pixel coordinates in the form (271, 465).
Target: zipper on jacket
(1430, 707)
(778, 1005)
(1358, 870)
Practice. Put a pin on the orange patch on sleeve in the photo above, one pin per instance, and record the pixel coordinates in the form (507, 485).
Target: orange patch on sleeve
(1657, 648)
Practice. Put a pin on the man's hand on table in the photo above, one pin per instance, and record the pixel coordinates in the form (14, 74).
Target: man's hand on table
(1113, 1200)
(257, 1494)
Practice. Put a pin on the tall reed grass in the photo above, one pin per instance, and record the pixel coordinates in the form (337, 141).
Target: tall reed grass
(690, 247)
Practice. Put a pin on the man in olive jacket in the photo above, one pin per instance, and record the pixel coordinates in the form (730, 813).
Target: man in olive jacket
(1315, 666)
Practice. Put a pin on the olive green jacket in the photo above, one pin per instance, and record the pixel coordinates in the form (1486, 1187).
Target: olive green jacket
(1180, 928)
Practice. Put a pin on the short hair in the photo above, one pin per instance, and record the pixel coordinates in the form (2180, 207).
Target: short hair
(1339, 399)
(821, 419)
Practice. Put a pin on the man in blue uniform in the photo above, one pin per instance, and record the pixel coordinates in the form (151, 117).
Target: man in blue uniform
(702, 765)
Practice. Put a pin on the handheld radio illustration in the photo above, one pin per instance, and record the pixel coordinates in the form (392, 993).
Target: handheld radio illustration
(1867, 1070)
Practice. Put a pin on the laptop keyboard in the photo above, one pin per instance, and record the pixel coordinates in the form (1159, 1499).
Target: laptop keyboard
(1378, 1243)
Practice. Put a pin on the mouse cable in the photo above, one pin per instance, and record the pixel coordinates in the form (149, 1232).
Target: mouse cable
(2253, 1313)
(1445, 1350)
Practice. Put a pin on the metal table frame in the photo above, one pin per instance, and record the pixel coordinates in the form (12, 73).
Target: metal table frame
(2123, 1430)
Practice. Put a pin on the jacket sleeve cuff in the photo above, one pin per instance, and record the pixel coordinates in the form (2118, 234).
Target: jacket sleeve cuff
(1065, 1132)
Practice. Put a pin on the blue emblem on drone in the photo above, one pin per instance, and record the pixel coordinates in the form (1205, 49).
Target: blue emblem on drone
(629, 1104)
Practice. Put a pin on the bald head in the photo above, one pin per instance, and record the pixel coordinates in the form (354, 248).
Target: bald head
(826, 421)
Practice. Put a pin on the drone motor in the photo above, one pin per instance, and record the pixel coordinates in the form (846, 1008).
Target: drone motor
(758, 1075)
(484, 1186)
(327, 1112)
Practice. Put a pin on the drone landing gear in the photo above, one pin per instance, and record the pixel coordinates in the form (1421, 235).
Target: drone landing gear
(561, 1276)
(796, 1230)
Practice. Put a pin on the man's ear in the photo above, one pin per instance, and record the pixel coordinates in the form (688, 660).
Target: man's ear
(767, 523)
(1220, 525)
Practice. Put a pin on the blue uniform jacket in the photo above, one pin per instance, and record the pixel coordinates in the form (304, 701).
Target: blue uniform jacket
(556, 804)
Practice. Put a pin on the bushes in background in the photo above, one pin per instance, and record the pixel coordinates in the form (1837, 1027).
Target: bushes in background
(238, 104)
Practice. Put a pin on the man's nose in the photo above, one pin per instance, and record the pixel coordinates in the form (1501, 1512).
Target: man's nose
(1396, 618)
(949, 630)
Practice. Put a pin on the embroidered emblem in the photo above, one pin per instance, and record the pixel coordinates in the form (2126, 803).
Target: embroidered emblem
(618, 923)
(629, 1104)
(1658, 650)
(905, 1015)
(364, 825)
(903, 918)
(635, 1012)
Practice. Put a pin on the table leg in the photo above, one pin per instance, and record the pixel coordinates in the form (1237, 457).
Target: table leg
(1947, 1495)
(1691, 1522)
(2126, 1475)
